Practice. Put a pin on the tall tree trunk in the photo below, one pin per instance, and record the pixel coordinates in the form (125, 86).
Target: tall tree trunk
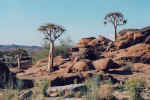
(18, 61)
(50, 57)
(115, 27)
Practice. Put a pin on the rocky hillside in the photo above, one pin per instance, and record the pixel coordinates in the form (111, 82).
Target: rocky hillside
(117, 61)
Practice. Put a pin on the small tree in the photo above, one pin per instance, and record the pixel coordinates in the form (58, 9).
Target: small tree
(19, 53)
(117, 19)
(52, 32)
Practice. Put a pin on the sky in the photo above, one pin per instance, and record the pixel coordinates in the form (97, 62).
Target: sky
(20, 19)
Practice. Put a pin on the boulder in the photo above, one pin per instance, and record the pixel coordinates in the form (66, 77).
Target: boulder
(58, 60)
(147, 40)
(102, 64)
(64, 90)
(137, 53)
(80, 45)
(102, 38)
(81, 66)
(67, 79)
(126, 39)
(93, 43)
(25, 94)
(86, 40)
(86, 53)
(129, 37)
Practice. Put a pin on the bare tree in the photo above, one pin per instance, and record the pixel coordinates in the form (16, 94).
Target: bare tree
(51, 32)
(117, 19)
(19, 53)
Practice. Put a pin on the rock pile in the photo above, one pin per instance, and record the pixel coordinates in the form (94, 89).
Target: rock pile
(100, 54)
(129, 37)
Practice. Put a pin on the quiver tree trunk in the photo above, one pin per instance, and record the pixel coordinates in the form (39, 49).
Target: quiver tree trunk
(51, 57)
(18, 61)
(115, 27)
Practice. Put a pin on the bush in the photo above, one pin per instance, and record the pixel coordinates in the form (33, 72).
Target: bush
(92, 85)
(42, 86)
(105, 93)
(10, 94)
(62, 50)
(135, 86)
(36, 56)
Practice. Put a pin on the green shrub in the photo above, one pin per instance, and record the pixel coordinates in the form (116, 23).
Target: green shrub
(36, 56)
(92, 85)
(135, 86)
(42, 86)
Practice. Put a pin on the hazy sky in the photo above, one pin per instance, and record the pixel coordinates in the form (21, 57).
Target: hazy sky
(19, 19)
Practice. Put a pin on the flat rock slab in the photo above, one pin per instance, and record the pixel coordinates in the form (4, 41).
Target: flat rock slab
(54, 91)
(66, 87)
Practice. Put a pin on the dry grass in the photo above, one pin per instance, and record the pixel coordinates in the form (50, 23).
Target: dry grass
(104, 92)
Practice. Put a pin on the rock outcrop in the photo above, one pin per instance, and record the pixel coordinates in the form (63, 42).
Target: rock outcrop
(92, 55)
(103, 64)
(137, 53)
(129, 37)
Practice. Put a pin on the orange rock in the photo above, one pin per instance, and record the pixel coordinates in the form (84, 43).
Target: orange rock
(93, 42)
(80, 45)
(86, 40)
(81, 66)
(129, 37)
(57, 61)
(101, 38)
(137, 53)
(102, 64)
(147, 40)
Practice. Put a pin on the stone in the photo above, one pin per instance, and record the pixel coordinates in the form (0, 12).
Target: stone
(129, 37)
(102, 38)
(81, 66)
(86, 40)
(137, 53)
(102, 64)
(25, 94)
(80, 45)
(55, 91)
(93, 43)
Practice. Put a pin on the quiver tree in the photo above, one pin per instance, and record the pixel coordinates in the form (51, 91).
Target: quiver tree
(115, 18)
(18, 54)
(51, 32)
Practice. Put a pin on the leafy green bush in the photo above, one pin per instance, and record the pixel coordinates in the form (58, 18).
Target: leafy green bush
(135, 87)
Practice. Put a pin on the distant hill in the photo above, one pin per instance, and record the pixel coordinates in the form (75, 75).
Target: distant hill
(14, 46)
